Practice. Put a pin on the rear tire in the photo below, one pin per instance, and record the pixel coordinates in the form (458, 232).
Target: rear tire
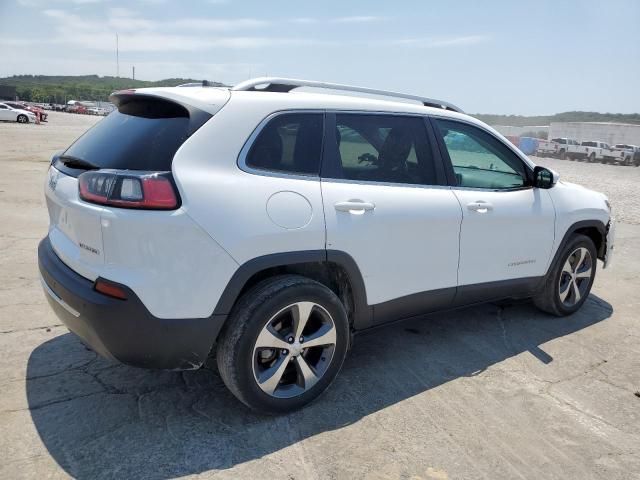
(569, 283)
(592, 157)
(562, 154)
(22, 119)
(259, 359)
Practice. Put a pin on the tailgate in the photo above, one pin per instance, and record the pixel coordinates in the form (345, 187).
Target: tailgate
(74, 227)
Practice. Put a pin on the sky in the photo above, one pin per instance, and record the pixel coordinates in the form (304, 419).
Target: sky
(509, 57)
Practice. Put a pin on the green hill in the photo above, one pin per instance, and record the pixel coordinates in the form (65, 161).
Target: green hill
(522, 121)
(59, 89)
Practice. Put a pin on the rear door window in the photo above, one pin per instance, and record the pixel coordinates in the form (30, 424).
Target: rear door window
(384, 148)
(291, 143)
(142, 134)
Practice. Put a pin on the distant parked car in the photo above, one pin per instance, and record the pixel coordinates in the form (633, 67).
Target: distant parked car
(596, 151)
(10, 114)
(629, 154)
(77, 108)
(546, 148)
(567, 148)
(39, 112)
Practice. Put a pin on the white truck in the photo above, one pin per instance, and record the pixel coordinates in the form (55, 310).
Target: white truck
(567, 148)
(596, 151)
(546, 148)
(628, 154)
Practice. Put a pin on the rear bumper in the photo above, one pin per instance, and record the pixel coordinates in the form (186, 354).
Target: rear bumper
(124, 330)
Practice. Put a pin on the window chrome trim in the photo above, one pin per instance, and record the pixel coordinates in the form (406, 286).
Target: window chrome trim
(246, 148)
(384, 184)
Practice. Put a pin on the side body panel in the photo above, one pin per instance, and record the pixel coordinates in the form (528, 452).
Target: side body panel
(512, 238)
(407, 244)
(575, 204)
(246, 213)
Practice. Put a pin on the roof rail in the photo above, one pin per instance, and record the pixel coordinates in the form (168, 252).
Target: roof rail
(204, 83)
(277, 84)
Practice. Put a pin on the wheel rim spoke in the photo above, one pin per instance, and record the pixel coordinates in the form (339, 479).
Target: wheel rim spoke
(576, 292)
(567, 268)
(301, 313)
(270, 339)
(564, 293)
(270, 378)
(310, 378)
(584, 274)
(324, 336)
(583, 253)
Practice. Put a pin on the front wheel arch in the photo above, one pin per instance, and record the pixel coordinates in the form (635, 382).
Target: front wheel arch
(594, 229)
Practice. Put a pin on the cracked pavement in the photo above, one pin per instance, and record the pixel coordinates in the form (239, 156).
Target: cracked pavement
(496, 391)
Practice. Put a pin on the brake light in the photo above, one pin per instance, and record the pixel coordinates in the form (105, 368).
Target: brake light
(144, 190)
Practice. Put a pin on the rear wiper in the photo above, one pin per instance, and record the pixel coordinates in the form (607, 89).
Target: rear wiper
(75, 162)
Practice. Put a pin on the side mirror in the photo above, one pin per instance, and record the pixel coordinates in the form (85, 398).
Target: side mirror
(543, 177)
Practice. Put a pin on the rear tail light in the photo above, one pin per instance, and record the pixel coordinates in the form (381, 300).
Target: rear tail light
(142, 190)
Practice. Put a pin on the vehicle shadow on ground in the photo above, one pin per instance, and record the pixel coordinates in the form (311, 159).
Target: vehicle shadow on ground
(102, 420)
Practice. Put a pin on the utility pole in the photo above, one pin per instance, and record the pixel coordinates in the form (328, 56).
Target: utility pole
(117, 57)
(134, 72)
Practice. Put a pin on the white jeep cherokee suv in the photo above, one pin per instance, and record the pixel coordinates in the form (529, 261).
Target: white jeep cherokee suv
(272, 223)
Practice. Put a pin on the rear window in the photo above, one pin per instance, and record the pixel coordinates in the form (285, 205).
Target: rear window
(562, 141)
(589, 144)
(142, 134)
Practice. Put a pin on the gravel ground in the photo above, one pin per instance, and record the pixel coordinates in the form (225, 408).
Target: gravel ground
(494, 392)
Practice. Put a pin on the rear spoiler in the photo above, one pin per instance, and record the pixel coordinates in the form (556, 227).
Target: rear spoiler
(167, 107)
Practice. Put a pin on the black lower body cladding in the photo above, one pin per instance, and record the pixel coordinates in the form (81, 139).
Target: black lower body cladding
(124, 330)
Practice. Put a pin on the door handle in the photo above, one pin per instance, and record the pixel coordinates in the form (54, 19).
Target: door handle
(357, 207)
(480, 206)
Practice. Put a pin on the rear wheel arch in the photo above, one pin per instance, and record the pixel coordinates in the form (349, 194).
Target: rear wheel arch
(335, 269)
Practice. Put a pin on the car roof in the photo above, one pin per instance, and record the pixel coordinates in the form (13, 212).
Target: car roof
(212, 98)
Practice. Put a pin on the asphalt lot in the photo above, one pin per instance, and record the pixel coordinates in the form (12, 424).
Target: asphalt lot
(498, 391)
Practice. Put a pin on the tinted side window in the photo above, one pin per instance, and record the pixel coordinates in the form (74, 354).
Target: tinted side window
(384, 148)
(480, 160)
(291, 142)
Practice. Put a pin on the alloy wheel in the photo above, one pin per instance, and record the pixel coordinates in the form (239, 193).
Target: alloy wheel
(294, 350)
(575, 277)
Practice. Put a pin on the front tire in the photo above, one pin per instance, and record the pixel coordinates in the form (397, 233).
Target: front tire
(22, 119)
(283, 344)
(569, 283)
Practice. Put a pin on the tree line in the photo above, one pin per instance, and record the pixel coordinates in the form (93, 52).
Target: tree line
(60, 89)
